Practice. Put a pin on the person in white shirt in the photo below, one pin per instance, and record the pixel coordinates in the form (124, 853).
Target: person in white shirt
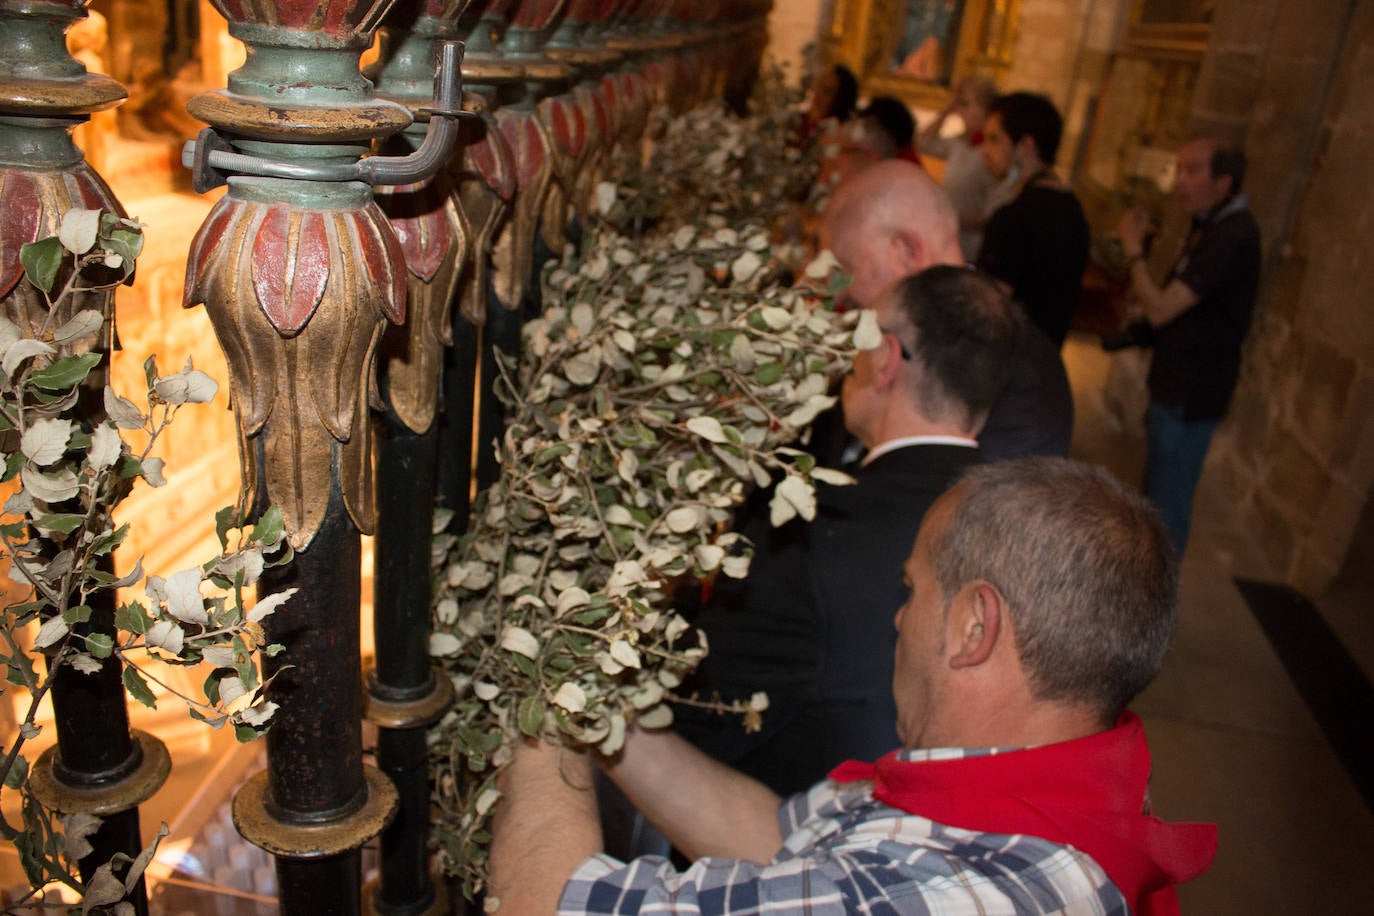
(973, 190)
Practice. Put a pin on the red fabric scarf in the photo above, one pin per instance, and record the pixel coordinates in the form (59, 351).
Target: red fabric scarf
(1087, 793)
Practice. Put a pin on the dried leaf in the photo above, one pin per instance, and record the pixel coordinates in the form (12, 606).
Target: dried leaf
(83, 324)
(106, 447)
(867, 334)
(520, 641)
(50, 488)
(165, 634)
(52, 631)
(624, 653)
(45, 441)
(184, 600)
(78, 230)
(708, 428)
(571, 697)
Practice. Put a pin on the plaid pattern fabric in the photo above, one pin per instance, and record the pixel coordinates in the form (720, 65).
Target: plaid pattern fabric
(844, 852)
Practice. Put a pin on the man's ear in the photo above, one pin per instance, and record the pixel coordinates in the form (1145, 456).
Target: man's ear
(891, 363)
(909, 251)
(977, 625)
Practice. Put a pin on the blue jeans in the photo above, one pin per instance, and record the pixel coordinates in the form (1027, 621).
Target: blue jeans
(1175, 450)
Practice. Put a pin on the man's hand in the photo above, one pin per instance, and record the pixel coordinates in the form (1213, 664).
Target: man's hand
(1160, 306)
(544, 826)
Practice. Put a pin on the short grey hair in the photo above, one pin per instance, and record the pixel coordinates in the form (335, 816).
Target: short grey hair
(1086, 567)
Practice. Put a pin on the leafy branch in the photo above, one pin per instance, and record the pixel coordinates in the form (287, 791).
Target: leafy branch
(664, 380)
(66, 465)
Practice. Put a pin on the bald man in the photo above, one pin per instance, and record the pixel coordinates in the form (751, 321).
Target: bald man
(892, 220)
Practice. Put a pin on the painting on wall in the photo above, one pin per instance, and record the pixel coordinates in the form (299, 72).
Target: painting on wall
(929, 35)
(917, 49)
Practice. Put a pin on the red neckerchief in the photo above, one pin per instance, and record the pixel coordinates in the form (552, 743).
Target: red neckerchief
(1088, 793)
(975, 138)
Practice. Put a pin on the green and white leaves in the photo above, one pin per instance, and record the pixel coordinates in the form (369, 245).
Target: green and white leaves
(68, 467)
(662, 383)
(79, 229)
(46, 440)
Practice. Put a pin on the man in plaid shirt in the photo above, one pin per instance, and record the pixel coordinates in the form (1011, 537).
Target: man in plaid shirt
(1043, 597)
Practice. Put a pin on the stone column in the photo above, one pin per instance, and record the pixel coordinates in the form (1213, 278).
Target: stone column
(1294, 464)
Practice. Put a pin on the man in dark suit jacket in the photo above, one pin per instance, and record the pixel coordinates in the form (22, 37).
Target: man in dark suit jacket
(893, 220)
(812, 622)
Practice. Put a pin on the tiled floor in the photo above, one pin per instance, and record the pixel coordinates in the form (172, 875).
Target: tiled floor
(1233, 741)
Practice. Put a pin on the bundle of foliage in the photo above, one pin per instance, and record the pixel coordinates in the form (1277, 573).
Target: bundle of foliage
(706, 162)
(66, 466)
(666, 377)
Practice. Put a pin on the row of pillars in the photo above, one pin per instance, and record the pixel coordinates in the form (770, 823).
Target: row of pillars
(376, 247)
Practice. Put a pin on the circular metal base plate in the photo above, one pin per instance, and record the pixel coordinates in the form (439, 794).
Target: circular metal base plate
(418, 713)
(259, 826)
(120, 795)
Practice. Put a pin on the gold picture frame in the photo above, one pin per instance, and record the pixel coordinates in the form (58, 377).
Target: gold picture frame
(885, 41)
(1174, 30)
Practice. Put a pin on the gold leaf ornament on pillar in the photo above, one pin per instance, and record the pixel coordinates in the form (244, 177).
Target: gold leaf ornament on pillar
(434, 234)
(31, 207)
(486, 187)
(513, 254)
(298, 299)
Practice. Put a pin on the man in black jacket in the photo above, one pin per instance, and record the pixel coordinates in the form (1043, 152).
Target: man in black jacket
(812, 622)
(1038, 242)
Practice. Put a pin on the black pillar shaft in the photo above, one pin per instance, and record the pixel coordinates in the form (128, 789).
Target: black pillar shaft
(501, 334)
(314, 748)
(455, 422)
(406, 473)
(406, 886)
(406, 469)
(95, 748)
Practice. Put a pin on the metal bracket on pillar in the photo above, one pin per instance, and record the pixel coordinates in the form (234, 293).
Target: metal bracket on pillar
(212, 159)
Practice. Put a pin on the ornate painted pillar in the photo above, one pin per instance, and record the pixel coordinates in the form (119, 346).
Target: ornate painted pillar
(98, 765)
(578, 42)
(633, 33)
(301, 272)
(739, 72)
(403, 694)
(486, 178)
(528, 138)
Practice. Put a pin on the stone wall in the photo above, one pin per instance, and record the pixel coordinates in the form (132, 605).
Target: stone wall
(1063, 49)
(1295, 462)
(1048, 33)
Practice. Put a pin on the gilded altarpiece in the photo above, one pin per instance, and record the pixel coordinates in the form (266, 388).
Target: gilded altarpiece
(917, 49)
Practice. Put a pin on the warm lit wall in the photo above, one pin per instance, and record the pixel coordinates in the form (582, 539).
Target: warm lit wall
(1062, 50)
(792, 25)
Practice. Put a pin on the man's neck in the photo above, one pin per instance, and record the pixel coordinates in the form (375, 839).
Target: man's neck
(1030, 724)
(910, 425)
